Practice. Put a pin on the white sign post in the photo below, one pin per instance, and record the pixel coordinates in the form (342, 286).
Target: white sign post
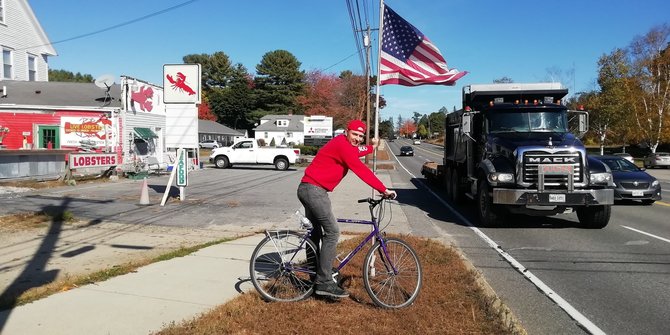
(180, 170)
(181, 94)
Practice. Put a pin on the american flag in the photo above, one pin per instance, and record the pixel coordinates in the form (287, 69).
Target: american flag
(408, 58)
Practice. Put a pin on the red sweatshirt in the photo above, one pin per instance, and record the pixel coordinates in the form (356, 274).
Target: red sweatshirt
(335, 159)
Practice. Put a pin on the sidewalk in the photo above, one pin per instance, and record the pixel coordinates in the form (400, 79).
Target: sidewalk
(168, 291)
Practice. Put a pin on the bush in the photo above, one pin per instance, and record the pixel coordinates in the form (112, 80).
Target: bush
(307, 149)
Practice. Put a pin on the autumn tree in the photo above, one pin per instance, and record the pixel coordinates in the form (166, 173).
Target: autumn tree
(353, 95)
(205, 113)
(408, 128)
(322, 97)
(613, 108)
(599, 120)
(649, 84)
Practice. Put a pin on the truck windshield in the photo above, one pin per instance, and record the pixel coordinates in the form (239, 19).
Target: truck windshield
(525, 122)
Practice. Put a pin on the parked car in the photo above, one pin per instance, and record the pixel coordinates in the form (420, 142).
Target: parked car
(632, 183)
(406, 150)
(657, 159)
(248, 152)
(209, 144)
(625, 155)
(417, 142)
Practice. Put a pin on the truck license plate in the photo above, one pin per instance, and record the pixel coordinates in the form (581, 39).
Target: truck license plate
(638, 193)
(556, 197)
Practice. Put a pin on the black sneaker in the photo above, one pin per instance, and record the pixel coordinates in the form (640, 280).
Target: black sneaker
(330, 289)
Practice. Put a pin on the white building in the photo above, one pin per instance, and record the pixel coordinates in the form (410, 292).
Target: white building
(25, 46)
(284, 129)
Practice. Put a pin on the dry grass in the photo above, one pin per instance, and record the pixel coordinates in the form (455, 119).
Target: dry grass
(450, 302)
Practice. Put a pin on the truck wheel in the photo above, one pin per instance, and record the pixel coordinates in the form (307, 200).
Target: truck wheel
(490, 215)
(221, 162)
(281, 164)
(594, 217)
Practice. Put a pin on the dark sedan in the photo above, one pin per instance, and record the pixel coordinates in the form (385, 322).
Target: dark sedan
(632, 183)
(406, 151)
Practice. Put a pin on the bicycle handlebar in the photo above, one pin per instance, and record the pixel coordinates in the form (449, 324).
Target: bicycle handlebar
(373, 201)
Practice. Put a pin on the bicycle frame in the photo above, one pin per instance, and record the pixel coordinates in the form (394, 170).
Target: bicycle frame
(376, 233)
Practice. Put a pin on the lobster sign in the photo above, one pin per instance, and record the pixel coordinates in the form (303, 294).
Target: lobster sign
(181, 83)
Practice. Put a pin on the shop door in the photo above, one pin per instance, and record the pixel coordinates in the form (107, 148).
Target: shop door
(49, 134)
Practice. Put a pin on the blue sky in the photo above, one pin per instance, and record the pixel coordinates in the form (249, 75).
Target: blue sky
(526, 40)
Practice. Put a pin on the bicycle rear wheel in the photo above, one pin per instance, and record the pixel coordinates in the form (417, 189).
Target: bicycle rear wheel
(389, 288)
(283, 266)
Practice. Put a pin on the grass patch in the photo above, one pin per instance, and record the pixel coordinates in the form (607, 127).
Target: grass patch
(26, 221)
(450, 302)
(69, 282)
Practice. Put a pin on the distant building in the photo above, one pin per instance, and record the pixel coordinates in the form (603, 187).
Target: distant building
(25, 46)
(284, 129)
(210, 130)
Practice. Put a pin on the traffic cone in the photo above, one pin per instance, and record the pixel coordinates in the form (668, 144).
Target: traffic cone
(144, 195)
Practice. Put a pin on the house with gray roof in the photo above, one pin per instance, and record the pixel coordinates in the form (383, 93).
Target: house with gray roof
(211, 130)
(283, 129)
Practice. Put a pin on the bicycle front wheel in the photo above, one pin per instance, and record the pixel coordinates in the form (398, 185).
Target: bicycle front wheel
(392, 278)
(283, 266)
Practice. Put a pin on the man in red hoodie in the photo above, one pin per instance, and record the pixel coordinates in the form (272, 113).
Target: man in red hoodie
(326, 171)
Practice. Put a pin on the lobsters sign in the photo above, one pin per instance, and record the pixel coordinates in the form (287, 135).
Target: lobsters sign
(86, 160)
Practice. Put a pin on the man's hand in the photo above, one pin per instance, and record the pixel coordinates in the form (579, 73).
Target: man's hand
(390, 194)
(374, 141)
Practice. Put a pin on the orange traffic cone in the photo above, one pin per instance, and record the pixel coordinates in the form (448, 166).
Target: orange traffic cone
(144, 195)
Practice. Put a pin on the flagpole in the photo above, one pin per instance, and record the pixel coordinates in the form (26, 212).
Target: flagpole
(380, 35)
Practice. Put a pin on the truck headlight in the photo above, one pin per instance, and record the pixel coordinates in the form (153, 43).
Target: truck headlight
(601, 178)
(500, 177)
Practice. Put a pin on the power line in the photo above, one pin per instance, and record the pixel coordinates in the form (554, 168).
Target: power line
(353, 54)
(116, 25)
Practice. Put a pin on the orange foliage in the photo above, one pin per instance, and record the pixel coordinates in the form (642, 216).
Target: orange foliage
(205, 113)
(329, 95)
(408, 128)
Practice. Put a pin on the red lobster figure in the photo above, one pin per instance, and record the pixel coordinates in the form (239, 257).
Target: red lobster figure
(180, 83)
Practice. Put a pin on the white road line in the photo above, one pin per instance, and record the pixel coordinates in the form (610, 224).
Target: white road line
(645, 233)
(562, 303)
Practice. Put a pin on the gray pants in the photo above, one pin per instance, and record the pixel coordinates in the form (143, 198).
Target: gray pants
(320, 212)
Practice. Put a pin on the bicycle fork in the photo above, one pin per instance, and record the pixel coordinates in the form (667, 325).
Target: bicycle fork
(386, 260)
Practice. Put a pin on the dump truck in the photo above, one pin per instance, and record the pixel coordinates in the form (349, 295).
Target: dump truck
(511, 150)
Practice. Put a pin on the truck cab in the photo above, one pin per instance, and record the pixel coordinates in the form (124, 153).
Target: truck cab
(511, 150)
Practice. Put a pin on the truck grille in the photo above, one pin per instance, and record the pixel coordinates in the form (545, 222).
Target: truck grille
(533, 159)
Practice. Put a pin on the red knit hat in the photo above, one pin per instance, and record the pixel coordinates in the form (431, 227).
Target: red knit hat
(356, 125)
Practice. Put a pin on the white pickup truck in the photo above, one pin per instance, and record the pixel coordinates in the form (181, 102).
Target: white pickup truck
(248, 152)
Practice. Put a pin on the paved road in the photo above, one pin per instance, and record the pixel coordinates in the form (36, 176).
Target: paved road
(617, 277)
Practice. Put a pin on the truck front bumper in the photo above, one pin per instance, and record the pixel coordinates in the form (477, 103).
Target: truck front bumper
(553, 197)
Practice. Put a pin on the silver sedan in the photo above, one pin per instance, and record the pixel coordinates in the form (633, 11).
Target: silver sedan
(661, 159)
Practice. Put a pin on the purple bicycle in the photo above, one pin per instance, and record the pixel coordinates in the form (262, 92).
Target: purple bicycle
(283, 264)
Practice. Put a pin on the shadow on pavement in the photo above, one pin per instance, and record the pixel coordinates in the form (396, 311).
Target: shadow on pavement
(33, 274)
